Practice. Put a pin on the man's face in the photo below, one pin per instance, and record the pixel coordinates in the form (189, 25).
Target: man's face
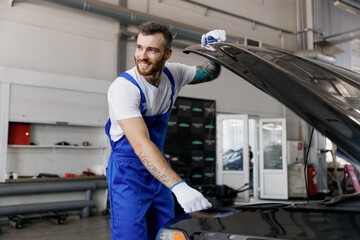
(150, 55)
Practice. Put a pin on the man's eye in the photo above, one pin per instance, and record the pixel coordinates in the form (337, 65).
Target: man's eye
(152, 50)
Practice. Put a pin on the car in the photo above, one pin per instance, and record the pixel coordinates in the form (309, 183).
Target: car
(327, 97)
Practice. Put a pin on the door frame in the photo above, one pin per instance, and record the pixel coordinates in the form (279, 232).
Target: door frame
(219, 164)
(256, 154)
(284, 171)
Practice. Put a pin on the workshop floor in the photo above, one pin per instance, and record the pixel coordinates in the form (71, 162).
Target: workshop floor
(97, 227)
(74, 228)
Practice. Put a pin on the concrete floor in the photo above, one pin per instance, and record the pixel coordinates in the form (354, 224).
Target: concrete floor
(97, 227)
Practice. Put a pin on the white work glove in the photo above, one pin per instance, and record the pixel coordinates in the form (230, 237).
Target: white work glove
(211, 37)
(189, 199)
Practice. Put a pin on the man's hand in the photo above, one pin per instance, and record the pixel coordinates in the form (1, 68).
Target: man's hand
(190, 199)
(211, 37)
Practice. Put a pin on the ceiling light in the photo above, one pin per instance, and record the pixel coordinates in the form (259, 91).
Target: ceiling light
(347, 7)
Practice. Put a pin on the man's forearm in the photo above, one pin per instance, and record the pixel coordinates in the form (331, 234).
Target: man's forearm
(148, 153)
(206, 72)
(156, 164)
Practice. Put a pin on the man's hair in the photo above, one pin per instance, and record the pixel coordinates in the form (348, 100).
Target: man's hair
(148, 28)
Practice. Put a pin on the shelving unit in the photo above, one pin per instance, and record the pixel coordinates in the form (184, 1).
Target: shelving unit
(45, 156)
(58, 111)
(191, 141)
(59, 108)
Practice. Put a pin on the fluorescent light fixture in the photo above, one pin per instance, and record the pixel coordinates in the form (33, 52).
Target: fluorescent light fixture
(272, 126)
(347, 7)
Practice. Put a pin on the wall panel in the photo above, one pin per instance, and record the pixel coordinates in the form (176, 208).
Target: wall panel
(279, 13)
(58, 40)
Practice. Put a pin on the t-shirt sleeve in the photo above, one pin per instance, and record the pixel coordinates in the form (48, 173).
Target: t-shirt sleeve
(124, 99)
(183, 74)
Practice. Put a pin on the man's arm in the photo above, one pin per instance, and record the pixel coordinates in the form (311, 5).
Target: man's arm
(136, 132)
(210, 69)
(206, 72)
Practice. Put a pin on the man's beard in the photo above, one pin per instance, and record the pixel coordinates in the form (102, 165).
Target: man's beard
(153, 68)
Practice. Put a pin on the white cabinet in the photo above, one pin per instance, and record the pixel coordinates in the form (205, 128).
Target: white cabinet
(49, 105)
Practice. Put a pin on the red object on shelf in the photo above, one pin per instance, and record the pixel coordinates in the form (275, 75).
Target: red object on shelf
(69, 175)
(19, 134)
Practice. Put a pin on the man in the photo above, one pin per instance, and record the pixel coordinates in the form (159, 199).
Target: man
(140, 178)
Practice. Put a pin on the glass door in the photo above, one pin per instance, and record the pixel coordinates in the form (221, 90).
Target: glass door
(273, 165)
(233, 153)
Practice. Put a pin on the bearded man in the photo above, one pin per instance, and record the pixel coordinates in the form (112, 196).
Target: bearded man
(139, 176)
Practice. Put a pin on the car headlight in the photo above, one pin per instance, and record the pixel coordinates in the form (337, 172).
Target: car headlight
(171, 234)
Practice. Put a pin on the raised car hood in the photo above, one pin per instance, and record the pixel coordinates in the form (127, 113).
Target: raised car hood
(326, 96)
(333, 220)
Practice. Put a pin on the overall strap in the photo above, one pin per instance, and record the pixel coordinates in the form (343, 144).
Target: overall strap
(143, 107)
(171, 78)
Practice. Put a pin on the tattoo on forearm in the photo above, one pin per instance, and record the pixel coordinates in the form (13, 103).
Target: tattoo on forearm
(162, 177)
(207, 72)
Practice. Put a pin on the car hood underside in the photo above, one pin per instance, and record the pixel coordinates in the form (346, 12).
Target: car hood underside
(325, 96)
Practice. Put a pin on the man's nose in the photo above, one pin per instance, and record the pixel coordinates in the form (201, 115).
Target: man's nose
(143, 55)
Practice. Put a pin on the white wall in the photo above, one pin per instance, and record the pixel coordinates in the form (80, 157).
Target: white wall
(279, 13)
(293, 123)
(57, 40)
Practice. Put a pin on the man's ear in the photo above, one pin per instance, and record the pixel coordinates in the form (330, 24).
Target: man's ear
(168, 54)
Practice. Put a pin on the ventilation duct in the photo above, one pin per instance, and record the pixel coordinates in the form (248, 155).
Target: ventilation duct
(128, 17)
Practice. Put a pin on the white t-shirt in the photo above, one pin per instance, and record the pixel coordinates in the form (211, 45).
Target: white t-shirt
(124, 97)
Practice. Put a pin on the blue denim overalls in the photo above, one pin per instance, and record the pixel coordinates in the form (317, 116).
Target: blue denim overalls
(139, 204)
